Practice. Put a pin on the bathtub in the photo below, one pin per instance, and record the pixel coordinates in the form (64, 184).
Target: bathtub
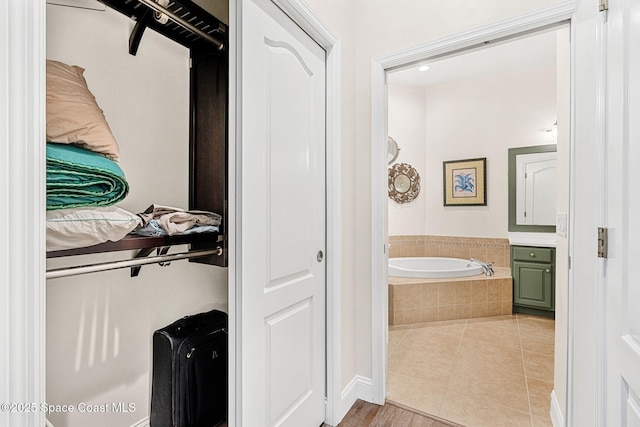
(433, 267)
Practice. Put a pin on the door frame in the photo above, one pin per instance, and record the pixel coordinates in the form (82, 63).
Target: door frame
(22, 247)
(23, 284)
(520, 25)
(301, 14)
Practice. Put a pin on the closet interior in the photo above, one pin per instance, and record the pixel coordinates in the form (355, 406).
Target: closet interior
(204, 35)
(159, 71)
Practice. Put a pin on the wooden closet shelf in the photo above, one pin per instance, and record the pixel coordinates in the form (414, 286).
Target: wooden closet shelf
(139, 242)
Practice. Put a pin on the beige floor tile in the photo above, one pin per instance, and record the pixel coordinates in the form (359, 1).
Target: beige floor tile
(540, 397)
(443, 336)
(395, 337)
(536, 325)
(489, 385)
(507, 321)
(416, 393)
(479, 372)
(400, 327)
(538, 366)
(472, 412)
(542, 422)
(502, 333)
(436, 370)
(455, 327)
(484, 355)
(538, 343)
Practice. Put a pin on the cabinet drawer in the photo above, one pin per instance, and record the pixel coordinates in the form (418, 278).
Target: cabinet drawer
(524, 253)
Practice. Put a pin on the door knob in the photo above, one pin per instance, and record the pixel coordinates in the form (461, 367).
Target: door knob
(320, 256)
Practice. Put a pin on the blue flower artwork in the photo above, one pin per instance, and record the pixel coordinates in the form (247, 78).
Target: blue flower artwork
(464, 182)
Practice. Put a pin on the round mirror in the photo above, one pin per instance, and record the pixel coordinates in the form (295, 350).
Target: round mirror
(403, 183)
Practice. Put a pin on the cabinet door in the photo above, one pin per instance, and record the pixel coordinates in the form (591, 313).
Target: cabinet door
(533, 284)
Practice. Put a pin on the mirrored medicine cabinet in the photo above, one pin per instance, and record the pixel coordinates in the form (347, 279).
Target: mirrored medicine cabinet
(532, 189)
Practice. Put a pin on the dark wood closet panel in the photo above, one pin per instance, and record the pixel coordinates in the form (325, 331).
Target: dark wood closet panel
(208, 146)
(206, 38)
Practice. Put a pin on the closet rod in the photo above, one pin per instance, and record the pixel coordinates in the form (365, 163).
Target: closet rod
(113, 265)
(178, 20)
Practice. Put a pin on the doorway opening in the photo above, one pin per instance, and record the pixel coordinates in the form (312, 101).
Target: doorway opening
(469, 104)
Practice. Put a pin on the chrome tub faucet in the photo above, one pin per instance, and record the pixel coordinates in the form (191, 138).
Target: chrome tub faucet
(488, 267)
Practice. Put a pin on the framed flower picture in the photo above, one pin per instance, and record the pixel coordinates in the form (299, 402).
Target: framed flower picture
(465, 182)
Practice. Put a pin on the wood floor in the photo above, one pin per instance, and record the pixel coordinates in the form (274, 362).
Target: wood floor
(364, 414)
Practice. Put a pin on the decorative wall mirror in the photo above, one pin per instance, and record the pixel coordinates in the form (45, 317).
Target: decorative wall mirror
(403, 183)
(392, 150)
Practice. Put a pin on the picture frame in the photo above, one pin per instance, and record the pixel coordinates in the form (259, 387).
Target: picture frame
(465, 182)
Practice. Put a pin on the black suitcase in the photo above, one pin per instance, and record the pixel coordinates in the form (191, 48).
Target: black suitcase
(189, 379)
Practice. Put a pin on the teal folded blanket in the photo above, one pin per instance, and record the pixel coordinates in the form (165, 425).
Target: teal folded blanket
(78, 178)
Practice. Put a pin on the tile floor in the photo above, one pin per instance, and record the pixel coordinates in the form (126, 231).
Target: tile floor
(494, 371)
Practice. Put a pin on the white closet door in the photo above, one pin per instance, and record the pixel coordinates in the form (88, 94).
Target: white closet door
(282, 225)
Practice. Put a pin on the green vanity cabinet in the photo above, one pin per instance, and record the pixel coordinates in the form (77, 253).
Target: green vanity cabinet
(533, 271)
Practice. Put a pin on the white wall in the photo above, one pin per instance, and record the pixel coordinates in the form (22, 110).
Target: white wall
(99, 326)
(472, 118)
(340, 16)
(407, 126)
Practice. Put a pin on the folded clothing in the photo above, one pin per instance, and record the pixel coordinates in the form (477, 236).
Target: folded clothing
(154, 229)
(176, 221)
(80, 227)
(81, 178)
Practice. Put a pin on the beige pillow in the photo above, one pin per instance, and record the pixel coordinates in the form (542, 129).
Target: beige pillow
(73, 116)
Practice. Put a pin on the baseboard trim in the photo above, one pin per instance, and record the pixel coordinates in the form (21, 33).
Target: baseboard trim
(358, 388)
(557, 419)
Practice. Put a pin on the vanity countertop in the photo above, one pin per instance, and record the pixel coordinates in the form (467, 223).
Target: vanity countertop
(546, 240)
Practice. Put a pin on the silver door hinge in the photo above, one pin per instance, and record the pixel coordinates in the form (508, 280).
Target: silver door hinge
(604, 5)
(603, 242)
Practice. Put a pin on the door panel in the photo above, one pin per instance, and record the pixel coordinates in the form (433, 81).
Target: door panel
(282, 221)
(622, 283)
(289, 353)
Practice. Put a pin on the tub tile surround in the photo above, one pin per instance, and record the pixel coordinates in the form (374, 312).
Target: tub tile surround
(476, 372)
(484, 249)
(429, 300)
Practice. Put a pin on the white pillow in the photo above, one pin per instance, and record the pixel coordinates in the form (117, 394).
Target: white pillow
(80, 227)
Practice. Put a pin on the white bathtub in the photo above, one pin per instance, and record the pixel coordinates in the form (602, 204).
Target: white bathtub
(433, 267)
